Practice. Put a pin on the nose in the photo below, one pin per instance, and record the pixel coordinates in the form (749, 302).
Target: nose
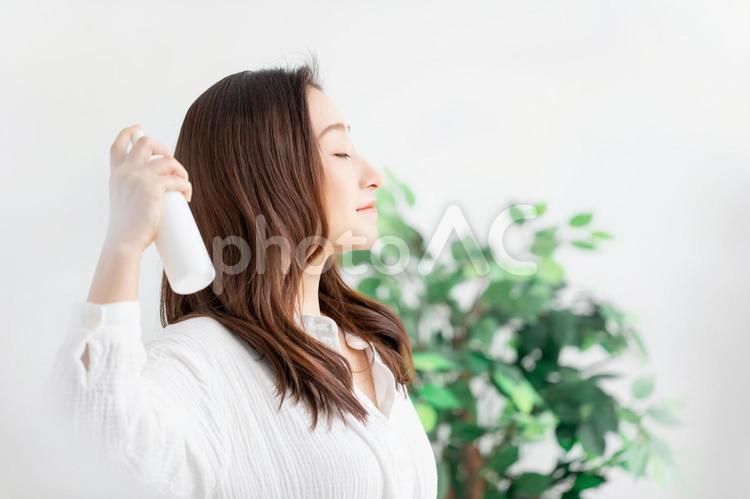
(371, 176)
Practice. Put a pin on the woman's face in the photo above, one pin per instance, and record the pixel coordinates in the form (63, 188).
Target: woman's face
(350, 181)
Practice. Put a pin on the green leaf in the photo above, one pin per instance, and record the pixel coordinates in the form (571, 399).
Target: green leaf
(586, 410)
(643, 387)
(484, 330)
(629, 415)
(517, 215)
(662, 414)
(591, 438)
(427, 416)
(580, 219)
(564, 330)
(635, 459)
(358, 257)
(491, 493)
(393, 225)
(461, 390)
(477, 362)
(604, 416)
(498, 293)
(511, 382)
(408, 194)
(599, 376)
(385, 201)
(533, 336)
(533, 484)
(535, 427)
(600, 234)
(587, 481)
(503, 458)
(549, 271)
(439, 397)
(565, 434)
(369, 286)
(466, 432)
(583, 244)
(545, 242)
(465, 250)
(541, 209)
(531, 301)
(433, 362)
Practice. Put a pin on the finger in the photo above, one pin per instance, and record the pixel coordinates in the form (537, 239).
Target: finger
(175, 183)
(168, 166)
(118, 150)
(145, 147)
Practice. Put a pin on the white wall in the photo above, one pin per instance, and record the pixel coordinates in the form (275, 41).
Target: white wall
(637, 110)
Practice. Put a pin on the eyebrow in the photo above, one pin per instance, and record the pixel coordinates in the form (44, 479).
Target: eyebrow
(338, 125)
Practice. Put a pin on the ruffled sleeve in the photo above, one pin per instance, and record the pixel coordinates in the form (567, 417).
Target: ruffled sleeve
(152, 407)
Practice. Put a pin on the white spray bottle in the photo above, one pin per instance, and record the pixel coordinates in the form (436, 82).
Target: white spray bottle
(179, 243)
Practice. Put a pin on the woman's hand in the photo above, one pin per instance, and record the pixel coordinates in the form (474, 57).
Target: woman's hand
(136, 187)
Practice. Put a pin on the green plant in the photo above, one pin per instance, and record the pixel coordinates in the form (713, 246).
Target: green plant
(505, 341)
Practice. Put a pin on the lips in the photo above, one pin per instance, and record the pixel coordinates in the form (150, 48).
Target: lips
(369, 207)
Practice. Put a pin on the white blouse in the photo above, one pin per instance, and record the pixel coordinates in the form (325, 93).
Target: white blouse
(193, 413)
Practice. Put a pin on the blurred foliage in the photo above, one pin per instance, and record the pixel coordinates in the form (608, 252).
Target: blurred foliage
(506, 342)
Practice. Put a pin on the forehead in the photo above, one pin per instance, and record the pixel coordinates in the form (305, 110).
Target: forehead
(323, 111)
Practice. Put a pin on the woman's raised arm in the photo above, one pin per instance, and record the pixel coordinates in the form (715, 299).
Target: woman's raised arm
(153, 409)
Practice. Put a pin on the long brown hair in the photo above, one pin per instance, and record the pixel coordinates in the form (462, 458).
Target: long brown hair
(248, 145)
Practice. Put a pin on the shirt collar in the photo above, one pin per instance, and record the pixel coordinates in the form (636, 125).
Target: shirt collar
(325, 329)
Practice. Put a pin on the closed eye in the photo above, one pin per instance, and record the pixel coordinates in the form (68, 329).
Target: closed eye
(342, 155)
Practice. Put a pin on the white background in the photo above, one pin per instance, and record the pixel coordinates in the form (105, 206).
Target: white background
(636, 110)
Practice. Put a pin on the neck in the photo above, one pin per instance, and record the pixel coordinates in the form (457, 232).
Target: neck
(307, 295)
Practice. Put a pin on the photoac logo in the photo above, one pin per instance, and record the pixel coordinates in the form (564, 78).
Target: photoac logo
(452, 222)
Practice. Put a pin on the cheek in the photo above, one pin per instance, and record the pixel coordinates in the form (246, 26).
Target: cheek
(341, 199)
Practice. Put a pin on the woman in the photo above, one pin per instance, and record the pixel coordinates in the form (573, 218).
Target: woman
(225, 401)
